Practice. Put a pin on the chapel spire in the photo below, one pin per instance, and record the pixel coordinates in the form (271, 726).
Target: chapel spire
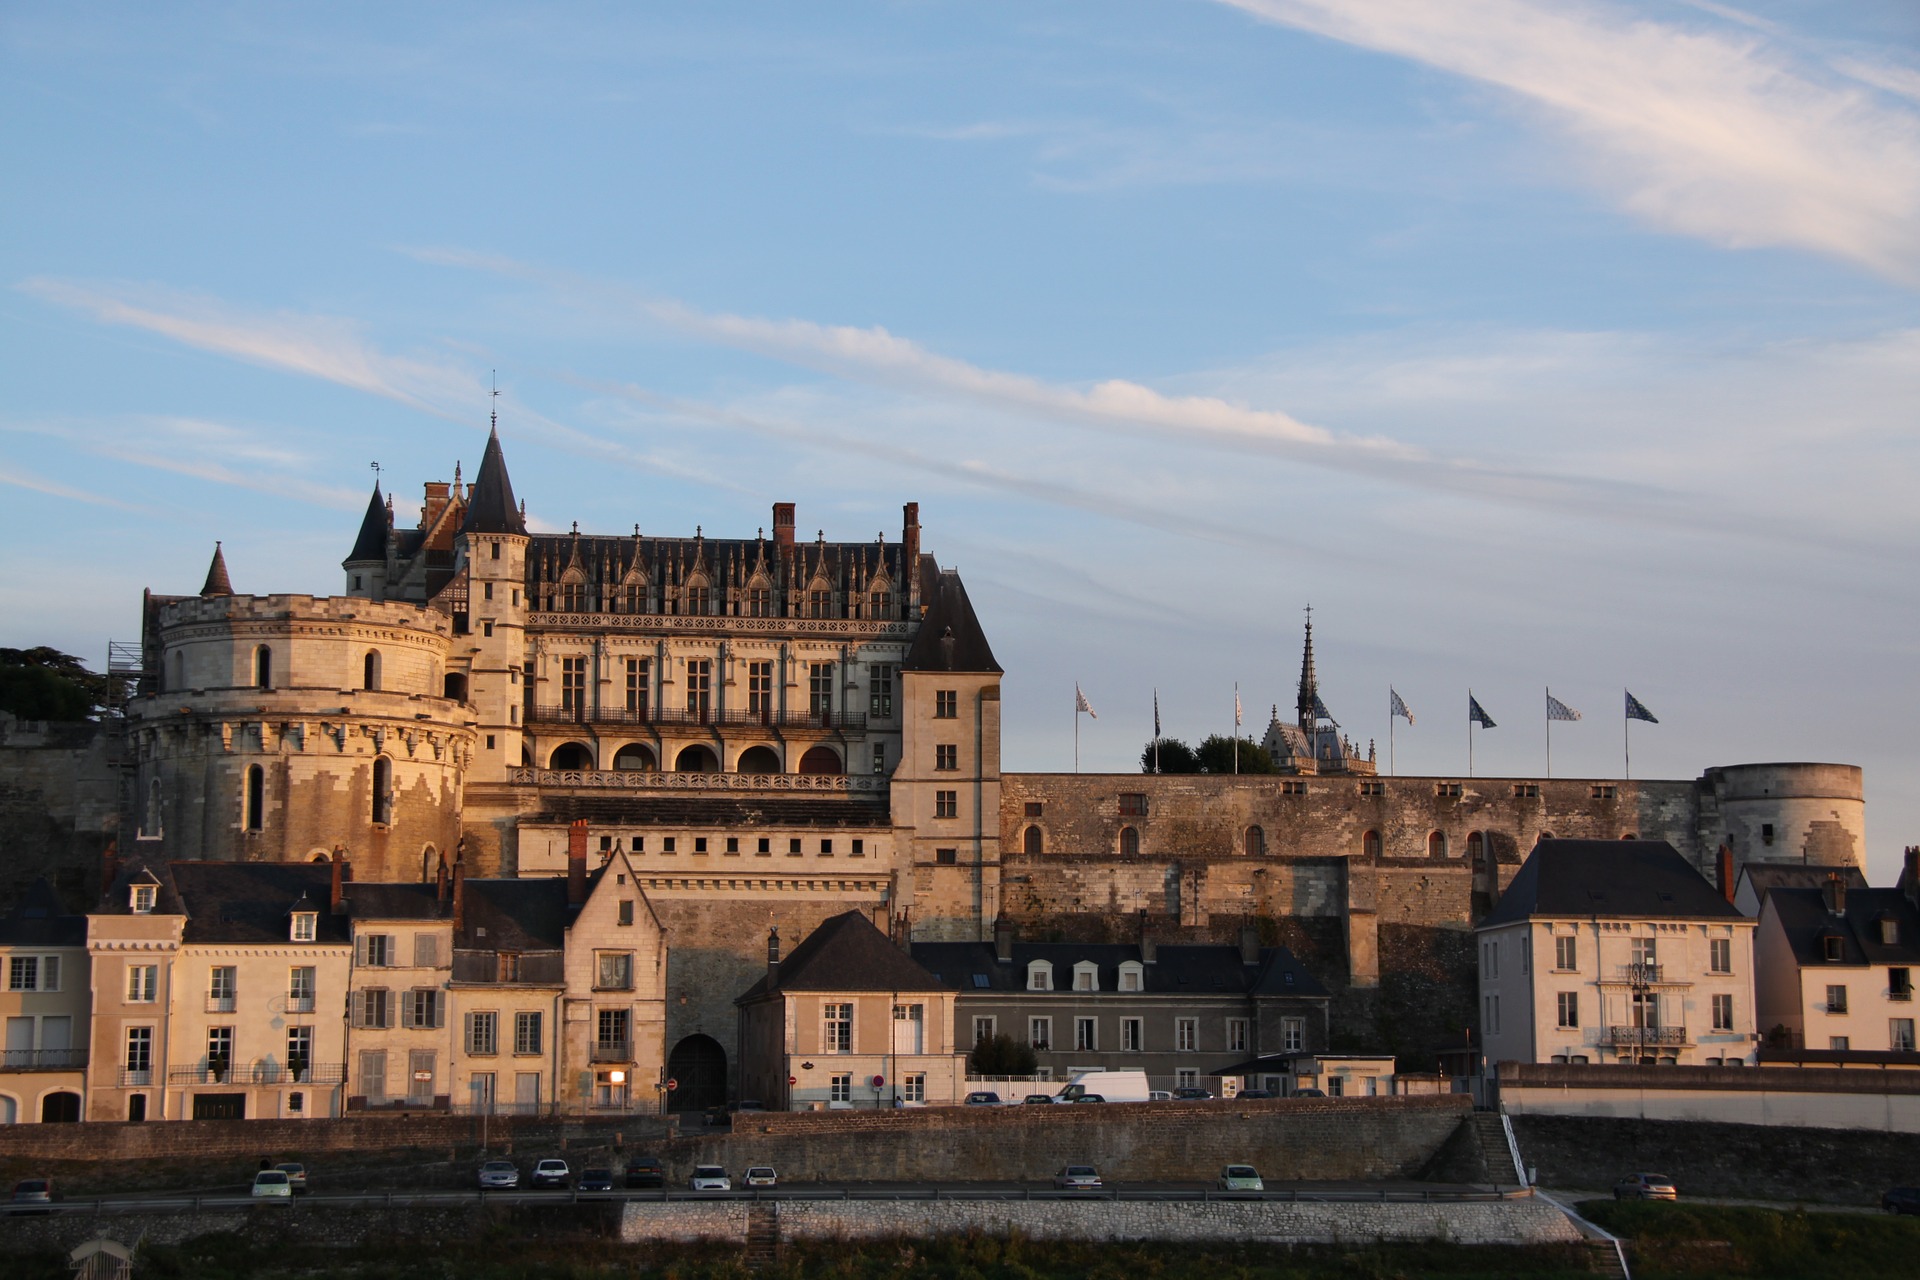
(1308, 706)
(218, 584)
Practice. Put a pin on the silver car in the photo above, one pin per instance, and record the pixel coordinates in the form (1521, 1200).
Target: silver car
(1077, 1177)
(499, 1175)
(710, 1177)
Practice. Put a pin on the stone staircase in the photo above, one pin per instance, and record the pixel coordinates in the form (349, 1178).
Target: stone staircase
(763, 1234)
(1492, 1133)
(1606, 1259)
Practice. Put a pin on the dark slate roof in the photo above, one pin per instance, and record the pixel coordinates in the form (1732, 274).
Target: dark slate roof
(719, 812)
(846, 953)
(950, 636)
(116, 901)
(1805, 920)
(217, 584)
(385, 900)
(1765, 877)
(372, 542)
(1637, 879)
(1182, 968)
(518, 915)
(254, 901)
(41, 920)
(490, 504)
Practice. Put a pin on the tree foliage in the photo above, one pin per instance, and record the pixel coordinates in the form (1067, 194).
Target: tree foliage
(1002, 1055)
(1175, 757)
(1217, 756)
(46, 684)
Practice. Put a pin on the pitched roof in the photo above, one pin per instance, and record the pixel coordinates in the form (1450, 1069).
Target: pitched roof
(517, 915)
(490, 504)
(253, 901)
(1178, 969)
(846, 953)
(1765, 877)
(371, 545)
(217, 584)
(1806, 922)
(951, 638)
(1636, 879)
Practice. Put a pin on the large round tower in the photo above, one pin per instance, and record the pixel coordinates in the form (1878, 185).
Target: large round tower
(1813, 814)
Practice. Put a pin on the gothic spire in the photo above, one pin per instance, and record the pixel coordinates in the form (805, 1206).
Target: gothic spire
(218, 584)
(371, 544)
(1309, 702)
(490, 505)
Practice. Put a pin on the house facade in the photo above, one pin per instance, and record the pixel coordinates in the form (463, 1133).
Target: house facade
(45, 1008)
(1836, 968)
(1615, 951)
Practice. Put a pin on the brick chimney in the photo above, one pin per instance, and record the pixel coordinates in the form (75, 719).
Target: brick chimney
(783, 524)
(1149, 949)
(1836, 893)
(1003, 940)
(1725, 863)
(1910, 874)
(336, 892)
(459, 894)
(910, 535)
(773, 958)
(1249, 945)
(576, 862)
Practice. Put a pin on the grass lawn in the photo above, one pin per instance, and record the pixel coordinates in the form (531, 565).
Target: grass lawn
(1701, 1241)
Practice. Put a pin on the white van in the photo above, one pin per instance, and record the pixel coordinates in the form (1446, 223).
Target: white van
(1108, 1086)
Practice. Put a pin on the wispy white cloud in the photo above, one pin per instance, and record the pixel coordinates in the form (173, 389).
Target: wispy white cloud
(1731, 137)
(19, 479)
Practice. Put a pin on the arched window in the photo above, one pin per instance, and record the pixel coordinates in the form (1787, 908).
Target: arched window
(1256, 842)
(383, 790)
(1631, 835)
(263, 668)
(1437, 844)
(821, 759)
(370, 670)
(1370, 845)
(570, 755)
(758, 760)
(1032, 841)
(1129, 841)
(256, 802)
(695, 759)
(1476, 848)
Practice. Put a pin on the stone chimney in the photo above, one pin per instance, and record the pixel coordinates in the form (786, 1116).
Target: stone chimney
(1725, 863)
(1910, 874)
(459, 895)
(336, 893)
(1836, 893)
(1003, 940)
(773, 958)
(440, 880)
(783, 524)
(1149, 949)
(1249, 945)
(910, 536)
(576, 862)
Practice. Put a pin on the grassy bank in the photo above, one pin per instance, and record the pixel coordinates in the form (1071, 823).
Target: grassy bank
(1704, 1241)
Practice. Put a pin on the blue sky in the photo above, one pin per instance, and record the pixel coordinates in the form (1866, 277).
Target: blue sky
(1532, 342)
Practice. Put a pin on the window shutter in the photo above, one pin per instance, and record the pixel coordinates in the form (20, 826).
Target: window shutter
(360, 950)
(50, 973)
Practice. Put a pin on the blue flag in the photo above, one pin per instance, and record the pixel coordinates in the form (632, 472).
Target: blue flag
(1558, 710)
(1477, 714)
(1636, 710)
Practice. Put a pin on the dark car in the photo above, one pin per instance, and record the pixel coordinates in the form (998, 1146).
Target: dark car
(1645, 1186)
(1901, 1200)
(983, 1098)
(1191, 1093)
(1252, 1094)
(1038, 1100)
(1308, 1093)
(645, 1171)
(595, 1181)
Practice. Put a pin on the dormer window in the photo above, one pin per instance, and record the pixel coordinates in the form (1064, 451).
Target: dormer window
(1889, 932)
(143, 898)
(1833, 947)
(1040, 976)
(305, 923)
(1086, 976)
(1130, 976)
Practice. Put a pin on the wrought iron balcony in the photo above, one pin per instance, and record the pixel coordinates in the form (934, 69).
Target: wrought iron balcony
(1641, 975)
(1646, 1035)
(299, 1004)
(41, 1059)
(136, 1077)
(221, 1004)
(613, 1051)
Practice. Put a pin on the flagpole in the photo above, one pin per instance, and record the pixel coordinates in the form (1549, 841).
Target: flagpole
(1626, 737)
(1389, 731)
(1076, 732)
(1236, 726)
(1549, 732)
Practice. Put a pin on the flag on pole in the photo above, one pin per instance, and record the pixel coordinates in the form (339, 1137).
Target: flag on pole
(1399, 705)
(1558, 710)
(1080, 703)
(1236, 706)
(1156, 713)
(1477, 714)
(1636, 710)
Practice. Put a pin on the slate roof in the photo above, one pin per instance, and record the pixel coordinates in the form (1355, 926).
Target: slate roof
(217, 583)
(40, 919)
(518, 915)
(951, 638)
(386, 900)
(846, 953)
(490, 504)
(1805, 920)
(1181, 968)
(1765, 877)
(719, 811)
(253, 901)
(1633, 879)
(372, 542)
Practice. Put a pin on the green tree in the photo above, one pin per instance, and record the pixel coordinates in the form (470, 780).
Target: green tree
(1001, 1055)
(1216, 756)
(1175, 757)
(46, 684)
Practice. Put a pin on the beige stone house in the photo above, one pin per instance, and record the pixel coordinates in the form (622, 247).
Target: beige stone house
(1836, 968)
(45, 1004)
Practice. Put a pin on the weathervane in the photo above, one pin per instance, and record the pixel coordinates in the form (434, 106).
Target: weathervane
(495, 423)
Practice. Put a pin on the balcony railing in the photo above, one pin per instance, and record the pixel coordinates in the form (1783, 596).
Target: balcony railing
(556, 713)
(1640, 975)
(221, 1004)
(613, 1051)
(1900, 993)
(41, 1059)
(136, 1077)
(259, 1073)
(636, 780)
(1646, 1035)
(299, 1004)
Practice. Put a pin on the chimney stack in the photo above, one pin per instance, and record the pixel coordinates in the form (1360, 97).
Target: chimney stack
(773, 958)
(459, 894)
(440, 879)
(1910, 874)
(1725, 863)
(1836, 893)
(783, 524)
(1003, 940)
(336, 892)
(1249, 945)
(1149, 949)
(576, 862)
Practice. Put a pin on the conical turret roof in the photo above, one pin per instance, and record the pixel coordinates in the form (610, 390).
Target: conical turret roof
(371, 545)
(217, 584)
(490, 504)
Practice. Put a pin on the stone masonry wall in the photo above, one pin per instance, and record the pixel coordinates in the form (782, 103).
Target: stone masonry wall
(59, 805)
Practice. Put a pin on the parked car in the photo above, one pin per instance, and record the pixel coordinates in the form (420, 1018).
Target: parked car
(272, 1184)
(296, 1175)
(550, 1173)
(645, 1171)
(1254, 1093)
(1308, 1093)
(1037, 1099)
(710, 1177)
(595, 1181)
(1090, 1097)
(34, 1195)
(1645, 1186)
(1159, 1095)
(1901, 1200)
(1077, 1177)
(499, 1175)
(1192, 1093)
(1119, 1086)
(983, 1098)
(760, 1175)
(1241, 1177)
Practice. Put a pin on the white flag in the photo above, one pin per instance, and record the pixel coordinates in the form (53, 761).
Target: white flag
(1236, 706)
(1080, 703)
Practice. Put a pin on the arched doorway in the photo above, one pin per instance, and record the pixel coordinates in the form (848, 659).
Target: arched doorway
(696, 760)
(821, 760)
(60, 1108)
(758, 760)
(570, 755)
(699, 1065)
(635, 758)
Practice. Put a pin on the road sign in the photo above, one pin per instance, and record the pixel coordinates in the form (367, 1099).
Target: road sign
(672, 1084)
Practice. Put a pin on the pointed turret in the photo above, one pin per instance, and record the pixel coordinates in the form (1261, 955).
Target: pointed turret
(218, 584)
(490, 504)
(1308, 705)
(370, 547)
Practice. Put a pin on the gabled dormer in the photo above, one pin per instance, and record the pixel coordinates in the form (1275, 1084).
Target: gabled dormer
(1040, 975)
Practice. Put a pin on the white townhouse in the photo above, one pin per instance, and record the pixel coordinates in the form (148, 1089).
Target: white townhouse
(1836, 968)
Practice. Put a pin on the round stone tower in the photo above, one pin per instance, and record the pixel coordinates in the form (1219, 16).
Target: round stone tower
(1813, 814)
